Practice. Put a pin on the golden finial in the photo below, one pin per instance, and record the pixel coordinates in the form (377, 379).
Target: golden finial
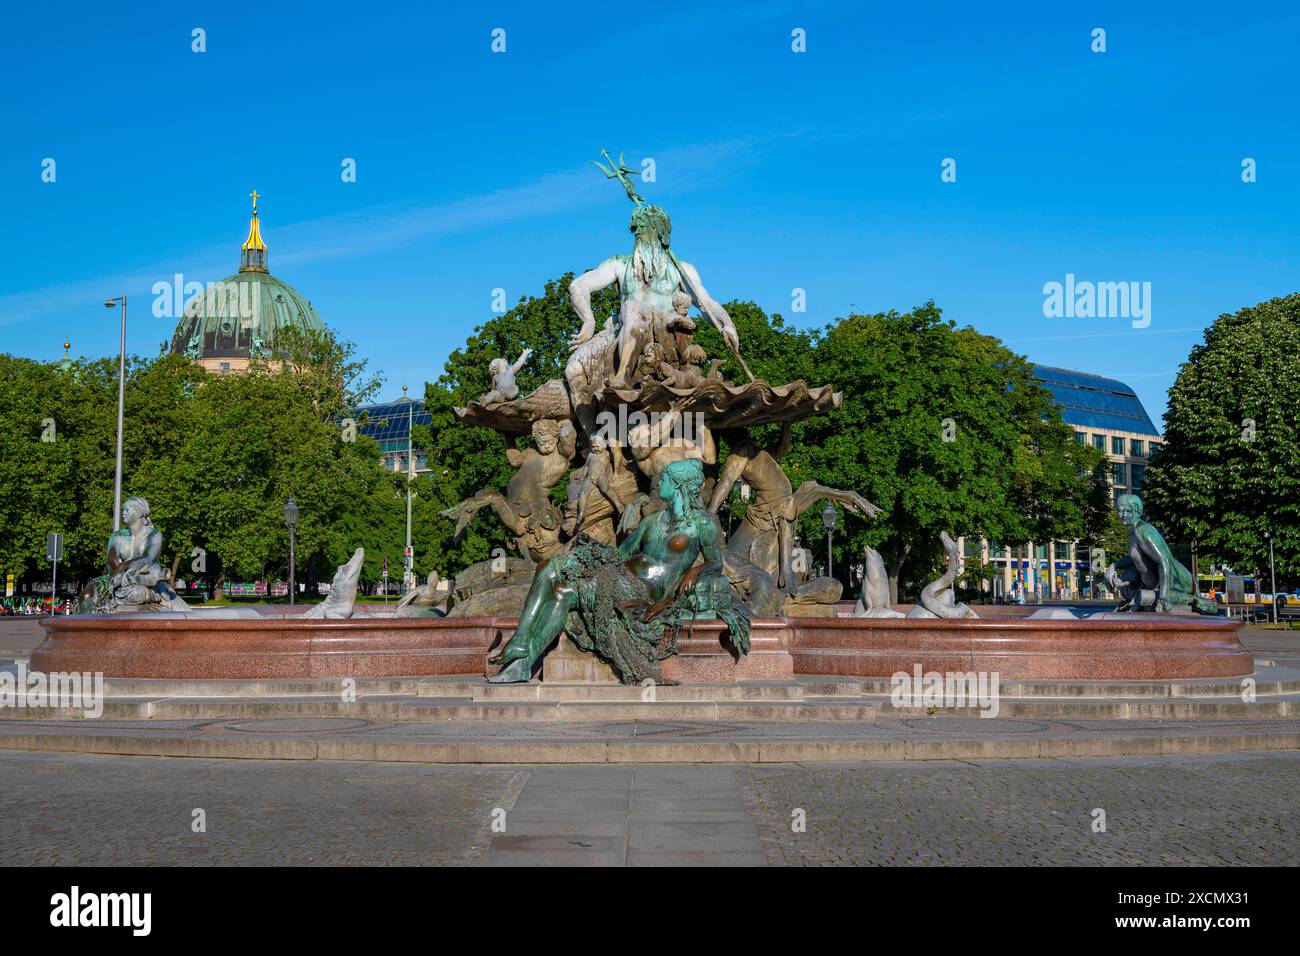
(66, 345)
(254, 249)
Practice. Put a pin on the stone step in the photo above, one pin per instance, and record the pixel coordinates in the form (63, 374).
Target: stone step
(414, 708)
(1071, 690)
(742, 690)
(799, 688)
(786, 750)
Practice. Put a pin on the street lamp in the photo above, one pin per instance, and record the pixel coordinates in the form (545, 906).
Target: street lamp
(408, 560)
(1272, 573)
(291, 519)
(121, 404)
(829, 517)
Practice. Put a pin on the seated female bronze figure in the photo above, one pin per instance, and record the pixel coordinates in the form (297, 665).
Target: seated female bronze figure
(625, 603)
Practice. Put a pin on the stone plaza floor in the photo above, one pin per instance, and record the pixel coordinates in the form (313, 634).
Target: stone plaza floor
(1193, 810)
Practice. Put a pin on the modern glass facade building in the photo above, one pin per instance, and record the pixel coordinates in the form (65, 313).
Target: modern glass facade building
(389, 424)
(1108, 415)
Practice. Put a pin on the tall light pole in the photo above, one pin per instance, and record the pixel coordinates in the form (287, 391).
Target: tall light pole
(408, 571)
(291, 519)
(1272, 573)
(828, 522)
(121, 404)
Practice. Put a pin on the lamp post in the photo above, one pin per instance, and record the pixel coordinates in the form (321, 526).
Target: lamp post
(291, 519)
(1272, 573)
(829, 517)
(408, 561)
(121, 403)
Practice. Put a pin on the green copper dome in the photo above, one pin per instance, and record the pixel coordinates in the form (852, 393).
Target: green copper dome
(236, 320)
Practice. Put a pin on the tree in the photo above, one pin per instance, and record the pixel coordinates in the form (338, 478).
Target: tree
(1229, 470)
(947, 430)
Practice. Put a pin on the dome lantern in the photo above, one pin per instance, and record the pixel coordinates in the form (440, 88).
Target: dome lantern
(253, 258)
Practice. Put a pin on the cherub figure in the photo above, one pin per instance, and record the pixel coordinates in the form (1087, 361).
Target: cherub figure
(598, 473)
(651, 362)
(504, 388)
(681, 320)
(689, 374)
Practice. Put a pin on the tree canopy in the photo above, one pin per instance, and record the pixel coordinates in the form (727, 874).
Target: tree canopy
(216, 456)
(1229, 470)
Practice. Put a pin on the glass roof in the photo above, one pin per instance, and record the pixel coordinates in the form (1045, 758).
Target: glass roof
(387, 421)
(1090, 401)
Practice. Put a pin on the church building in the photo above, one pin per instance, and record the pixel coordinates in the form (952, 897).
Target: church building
(235, 321)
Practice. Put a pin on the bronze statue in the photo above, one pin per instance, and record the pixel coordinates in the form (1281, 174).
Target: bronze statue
(766, 533)
(1149, 578)
(647, 401)
(135, 580)
(525, 508)
(625, 603)
(504, 387)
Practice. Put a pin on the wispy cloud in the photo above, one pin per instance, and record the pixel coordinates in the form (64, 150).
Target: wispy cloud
(382, 228)
(1131, 333)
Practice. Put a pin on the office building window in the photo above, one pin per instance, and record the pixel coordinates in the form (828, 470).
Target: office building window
(1116, 445)
(1137, 448)
(1139, 472)
(1099, 442)
(1081, 438)
(1117, 473)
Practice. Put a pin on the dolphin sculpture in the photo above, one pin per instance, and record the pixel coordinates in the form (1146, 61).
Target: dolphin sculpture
(343, 592)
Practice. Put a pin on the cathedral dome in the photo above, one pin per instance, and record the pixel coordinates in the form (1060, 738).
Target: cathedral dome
(235, 321)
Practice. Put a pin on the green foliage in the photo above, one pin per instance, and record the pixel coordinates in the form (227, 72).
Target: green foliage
(217, 457)
(1229, 470)
(947, 430)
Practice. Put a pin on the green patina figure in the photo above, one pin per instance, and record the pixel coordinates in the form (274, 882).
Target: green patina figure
(135, 580)
(1150, 578)
(626, 603)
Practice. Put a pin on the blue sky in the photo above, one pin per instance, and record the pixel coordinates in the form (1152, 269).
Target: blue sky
(818, 171)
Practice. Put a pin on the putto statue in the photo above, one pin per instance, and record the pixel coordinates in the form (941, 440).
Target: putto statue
(135, 581)
(1149, 578)
(638, 548)
(504, 387)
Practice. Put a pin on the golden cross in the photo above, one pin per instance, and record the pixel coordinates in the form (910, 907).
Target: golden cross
(256, 195)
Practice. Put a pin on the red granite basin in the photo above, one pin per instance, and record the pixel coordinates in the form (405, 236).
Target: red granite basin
(1139, 647)
(1147, 647)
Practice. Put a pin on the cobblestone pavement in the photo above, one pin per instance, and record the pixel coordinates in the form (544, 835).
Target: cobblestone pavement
(1185, 810)
(93, 810)
(1231, 809)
